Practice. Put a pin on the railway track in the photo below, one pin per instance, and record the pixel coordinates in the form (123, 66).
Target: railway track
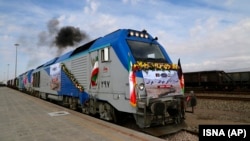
(235, 92)
(224, 97)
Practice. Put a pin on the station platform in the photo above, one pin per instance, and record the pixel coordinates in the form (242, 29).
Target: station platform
(27, 118)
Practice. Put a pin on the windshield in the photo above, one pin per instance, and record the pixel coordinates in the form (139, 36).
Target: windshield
(146, 51)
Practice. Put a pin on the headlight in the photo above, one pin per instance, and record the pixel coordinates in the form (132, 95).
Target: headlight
(137, 34)
(141, 35)
(131, 33)
(141, 87)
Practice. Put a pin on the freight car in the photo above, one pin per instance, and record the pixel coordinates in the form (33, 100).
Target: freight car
(126, 71)
(241, 80)
(215, 80)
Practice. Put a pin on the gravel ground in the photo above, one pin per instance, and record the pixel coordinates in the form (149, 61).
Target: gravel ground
(219, 112)
(182, 136)
(210, 111)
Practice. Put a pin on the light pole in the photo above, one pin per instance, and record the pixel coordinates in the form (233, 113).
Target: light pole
(16, 59)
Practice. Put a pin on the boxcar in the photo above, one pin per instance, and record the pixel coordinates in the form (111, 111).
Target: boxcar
(208, 80)
(241, 80)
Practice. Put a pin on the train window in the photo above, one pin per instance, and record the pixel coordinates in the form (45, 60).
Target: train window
(36, 79)
(146, 51)
(105, 54)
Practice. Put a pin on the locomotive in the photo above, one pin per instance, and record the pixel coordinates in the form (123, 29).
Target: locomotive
(126, 71)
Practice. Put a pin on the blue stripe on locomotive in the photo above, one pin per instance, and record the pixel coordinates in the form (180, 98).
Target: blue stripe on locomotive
(68, 88)
(29, 75)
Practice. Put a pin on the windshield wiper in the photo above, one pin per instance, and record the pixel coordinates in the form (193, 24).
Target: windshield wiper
(141, 59)
(156, 59)
(151, 59)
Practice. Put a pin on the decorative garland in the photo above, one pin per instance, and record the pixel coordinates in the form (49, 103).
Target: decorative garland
(72, 77)
(139, 65)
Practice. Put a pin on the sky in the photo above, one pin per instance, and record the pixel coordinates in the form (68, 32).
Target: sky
(204, 34)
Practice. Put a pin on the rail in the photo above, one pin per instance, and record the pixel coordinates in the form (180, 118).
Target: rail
(224, 97)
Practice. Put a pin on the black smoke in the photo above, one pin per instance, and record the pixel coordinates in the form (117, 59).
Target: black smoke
(46, 38)
(60, 37)
(53, 26)
(69, 36)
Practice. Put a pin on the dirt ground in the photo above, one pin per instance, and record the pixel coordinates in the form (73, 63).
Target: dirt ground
(216, 116)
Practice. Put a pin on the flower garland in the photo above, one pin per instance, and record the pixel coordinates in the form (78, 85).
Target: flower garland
(139, 65)
(72, 77)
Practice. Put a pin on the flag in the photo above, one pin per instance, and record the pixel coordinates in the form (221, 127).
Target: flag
(94, 73)
(181, 76)
(132, 85)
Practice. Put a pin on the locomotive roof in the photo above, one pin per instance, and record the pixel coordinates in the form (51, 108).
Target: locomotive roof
(90, 45)
(109, 39)
(83, 47)
(50, 62)
(64, 56)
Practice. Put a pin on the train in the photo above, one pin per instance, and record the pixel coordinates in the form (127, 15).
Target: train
(217, 80)
(241, 80)
(126, 72)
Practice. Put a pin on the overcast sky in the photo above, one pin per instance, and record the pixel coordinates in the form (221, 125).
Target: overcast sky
(204, 34)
